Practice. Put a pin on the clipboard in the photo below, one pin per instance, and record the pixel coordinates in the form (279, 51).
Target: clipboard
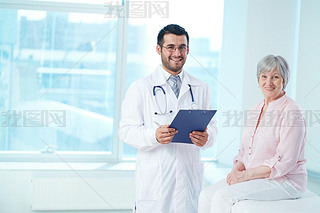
(187, 121)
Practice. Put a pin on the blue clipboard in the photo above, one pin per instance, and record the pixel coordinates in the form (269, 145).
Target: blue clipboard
(187, 121)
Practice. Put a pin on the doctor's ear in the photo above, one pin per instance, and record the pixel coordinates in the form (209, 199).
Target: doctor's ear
(158, 48)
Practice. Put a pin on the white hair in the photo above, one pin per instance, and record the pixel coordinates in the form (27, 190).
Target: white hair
(270, 62)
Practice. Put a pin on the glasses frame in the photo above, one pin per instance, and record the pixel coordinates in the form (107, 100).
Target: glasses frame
(182, 48)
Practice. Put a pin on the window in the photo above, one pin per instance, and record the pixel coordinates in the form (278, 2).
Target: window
(61, 68)
(58, 78)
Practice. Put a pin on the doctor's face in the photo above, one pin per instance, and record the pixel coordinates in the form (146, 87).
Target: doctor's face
(173, 53)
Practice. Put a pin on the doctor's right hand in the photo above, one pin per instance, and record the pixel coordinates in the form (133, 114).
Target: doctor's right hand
(164, 134)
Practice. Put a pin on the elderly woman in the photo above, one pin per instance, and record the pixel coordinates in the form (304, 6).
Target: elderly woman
(270, 164)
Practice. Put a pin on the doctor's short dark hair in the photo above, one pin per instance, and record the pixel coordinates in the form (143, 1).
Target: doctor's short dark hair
(171, 29)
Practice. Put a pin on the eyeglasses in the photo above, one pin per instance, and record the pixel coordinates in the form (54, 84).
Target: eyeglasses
(172, 48)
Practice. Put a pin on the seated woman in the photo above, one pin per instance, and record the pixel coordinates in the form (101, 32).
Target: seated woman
(270, 164)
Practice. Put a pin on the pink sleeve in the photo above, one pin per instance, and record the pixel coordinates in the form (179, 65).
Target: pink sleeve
(292, 139)
(239, 156)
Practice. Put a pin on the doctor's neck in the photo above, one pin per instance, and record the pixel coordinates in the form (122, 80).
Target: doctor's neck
(170, 71)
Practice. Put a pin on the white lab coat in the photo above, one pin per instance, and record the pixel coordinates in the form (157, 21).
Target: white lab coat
(168, 177)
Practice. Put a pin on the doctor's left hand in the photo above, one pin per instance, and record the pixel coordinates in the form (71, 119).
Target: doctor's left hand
(165, 134)
(199, 138)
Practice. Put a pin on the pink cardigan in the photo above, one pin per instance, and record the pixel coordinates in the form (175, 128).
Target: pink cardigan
(278, 142)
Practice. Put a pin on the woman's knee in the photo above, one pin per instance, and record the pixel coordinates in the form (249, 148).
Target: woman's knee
(205, 200)
(206, 195)
(223, 195)
(218, 196)
(208, 192)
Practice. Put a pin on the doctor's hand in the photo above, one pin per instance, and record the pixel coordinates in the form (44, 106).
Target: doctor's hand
(165, 134)
(199, 138)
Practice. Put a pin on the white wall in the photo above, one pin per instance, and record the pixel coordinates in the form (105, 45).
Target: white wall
(272, 28)
(16, 187)
(308, 78)
(252, 30)
(231, 77)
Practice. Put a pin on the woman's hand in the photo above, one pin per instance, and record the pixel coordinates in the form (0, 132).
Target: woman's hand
(236, 176)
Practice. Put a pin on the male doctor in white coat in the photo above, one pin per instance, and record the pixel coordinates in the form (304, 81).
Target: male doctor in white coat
(168, 175)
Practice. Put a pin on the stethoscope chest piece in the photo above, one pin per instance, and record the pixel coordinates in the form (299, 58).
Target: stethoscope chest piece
(194, 105)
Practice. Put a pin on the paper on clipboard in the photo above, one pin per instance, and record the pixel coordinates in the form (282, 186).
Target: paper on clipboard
(187, 121)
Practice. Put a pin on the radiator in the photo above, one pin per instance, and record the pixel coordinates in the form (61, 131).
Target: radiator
(82, 194)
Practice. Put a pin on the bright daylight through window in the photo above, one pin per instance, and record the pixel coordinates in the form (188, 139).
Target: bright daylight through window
(59, 69)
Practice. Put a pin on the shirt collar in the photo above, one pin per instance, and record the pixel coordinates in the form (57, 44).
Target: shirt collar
(276, 103)
(280, 100)
(167, 75)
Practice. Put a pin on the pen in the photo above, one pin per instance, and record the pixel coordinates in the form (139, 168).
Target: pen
(159, 125)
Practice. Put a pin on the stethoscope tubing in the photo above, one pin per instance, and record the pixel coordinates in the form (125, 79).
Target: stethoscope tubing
(191, 93)
(193, 104)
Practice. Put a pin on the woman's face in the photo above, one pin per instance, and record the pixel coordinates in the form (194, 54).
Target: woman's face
(271, 84)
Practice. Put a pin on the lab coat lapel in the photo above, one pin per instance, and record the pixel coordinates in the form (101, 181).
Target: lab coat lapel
(184, 88)
(158, 79)
(185, 84)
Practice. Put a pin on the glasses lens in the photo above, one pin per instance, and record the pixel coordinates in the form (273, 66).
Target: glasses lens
(172, 48)
(182, 48)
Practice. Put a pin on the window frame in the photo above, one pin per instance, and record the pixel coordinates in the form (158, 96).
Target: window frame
(120, 84)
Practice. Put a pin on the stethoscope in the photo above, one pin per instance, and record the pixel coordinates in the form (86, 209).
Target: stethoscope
(193, 104)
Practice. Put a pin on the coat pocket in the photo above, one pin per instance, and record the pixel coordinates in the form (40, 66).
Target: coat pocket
(148, 182)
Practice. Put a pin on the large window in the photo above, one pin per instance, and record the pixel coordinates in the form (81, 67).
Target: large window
(58, 75)
(62, 69)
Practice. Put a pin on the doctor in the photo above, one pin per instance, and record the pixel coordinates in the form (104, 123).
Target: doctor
(168, 175)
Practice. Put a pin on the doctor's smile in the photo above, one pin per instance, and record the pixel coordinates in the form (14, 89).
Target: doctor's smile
(176, 59)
